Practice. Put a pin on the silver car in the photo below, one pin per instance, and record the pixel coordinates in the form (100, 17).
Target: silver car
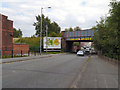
(80, 53)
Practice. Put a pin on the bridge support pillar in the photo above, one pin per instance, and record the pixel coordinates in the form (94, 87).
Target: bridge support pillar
(63, 44)
(69, 46)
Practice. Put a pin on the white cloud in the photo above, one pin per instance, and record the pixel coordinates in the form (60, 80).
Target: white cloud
(67, 13)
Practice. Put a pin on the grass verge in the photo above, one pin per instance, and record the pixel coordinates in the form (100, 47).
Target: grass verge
(15, 56)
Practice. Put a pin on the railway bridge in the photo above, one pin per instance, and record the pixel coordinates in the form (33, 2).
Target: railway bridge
(75, 36)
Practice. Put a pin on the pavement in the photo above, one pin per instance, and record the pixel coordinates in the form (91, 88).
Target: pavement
(7, 60)
(99, 74)
(31, 57)
(60, 71)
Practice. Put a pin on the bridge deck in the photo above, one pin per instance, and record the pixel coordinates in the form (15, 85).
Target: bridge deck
(78, 35)
(81, 33)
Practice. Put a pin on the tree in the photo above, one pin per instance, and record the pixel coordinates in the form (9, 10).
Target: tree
(70, 29)
(94, 28)
(77, 28)
(53, 34)
(52, 26)
(106, 38)
(66, 30)
(17, 33)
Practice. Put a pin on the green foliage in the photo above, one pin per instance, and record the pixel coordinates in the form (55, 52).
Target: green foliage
(17, 33)
(53, 27)
(53, 34)
(107, 38)
(9, 56)
(77, 28)
(70, 29)
(34, 42)
(94, 28)
(76, 44)
(66, 30)
(54, 52)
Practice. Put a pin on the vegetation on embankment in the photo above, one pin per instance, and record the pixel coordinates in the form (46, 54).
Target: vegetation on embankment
(107, 37)
(34, 42)
(15, 56)
(54, 52)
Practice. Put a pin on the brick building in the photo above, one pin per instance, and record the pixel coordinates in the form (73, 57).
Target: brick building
(0, 34)
(7, 38)
(7, 35)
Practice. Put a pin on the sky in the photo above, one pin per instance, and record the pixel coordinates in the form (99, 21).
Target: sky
(67, 13)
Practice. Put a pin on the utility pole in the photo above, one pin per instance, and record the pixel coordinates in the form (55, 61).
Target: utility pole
(41, 33)
(46, 37)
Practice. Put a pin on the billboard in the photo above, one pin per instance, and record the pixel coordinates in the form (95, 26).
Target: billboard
(52, 42)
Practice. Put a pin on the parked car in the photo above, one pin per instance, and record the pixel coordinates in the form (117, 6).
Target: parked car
(80, 53)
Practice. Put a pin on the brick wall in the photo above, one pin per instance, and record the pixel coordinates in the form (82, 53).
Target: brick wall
(17, 48)
(63, 44)
(7, 38)
(7, 35)
(0, 34)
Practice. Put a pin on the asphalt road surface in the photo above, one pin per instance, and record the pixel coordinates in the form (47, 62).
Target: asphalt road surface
(60, 71)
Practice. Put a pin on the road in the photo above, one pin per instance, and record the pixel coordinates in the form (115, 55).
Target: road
(60, 71)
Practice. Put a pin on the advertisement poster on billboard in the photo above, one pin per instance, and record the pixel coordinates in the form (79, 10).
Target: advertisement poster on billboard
(52, 42)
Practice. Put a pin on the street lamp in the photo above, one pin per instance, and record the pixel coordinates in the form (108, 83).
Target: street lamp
(41, 30)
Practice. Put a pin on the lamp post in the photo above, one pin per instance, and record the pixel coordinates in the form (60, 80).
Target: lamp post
(41, 30)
